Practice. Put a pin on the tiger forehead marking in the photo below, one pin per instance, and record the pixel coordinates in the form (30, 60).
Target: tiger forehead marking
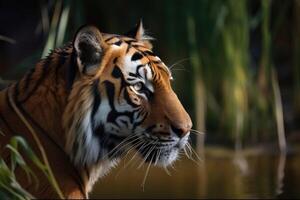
(136, 52)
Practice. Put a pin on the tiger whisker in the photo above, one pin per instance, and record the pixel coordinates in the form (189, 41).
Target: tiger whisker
(197, 132)
(195, 153)
(167, 171)
(136, 153)
(132, 148)
(147, 155)
(157, 157)
(173, 167)
(190, 151)
(136, 163)
(186, 153)
(179, 61)
(143, 146)
(120, 144)
(129, 146)
(119, 147)
(179, 69)
(127, 164)
(191, 155)
(147, 172)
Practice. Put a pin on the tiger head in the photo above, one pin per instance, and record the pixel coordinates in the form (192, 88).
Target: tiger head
(121, 99)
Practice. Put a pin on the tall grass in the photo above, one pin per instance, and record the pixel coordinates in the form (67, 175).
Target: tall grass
(241, 103)
(198, 83)
(58, 26)
(9, 186)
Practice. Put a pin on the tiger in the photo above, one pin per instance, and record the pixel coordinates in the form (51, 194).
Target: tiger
(91, 101)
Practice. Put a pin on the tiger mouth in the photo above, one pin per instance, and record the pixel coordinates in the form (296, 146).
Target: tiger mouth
(163, 136)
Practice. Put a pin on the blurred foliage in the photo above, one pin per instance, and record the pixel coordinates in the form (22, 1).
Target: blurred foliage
(9, 185)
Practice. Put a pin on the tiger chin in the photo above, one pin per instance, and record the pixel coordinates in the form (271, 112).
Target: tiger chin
(98, 98)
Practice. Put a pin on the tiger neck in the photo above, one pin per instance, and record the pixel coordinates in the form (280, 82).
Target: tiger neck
(42, 96)
(42, 93)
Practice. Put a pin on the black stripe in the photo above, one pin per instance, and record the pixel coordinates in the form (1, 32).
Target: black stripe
(63, 56)
(72, 70)
(97, 100)
(118, 43)
(128, 48)
(149, 53)
(117, 137)
(63, 53)
(115, 60)
(150, 128)
(140, 122)
(108, 39)
(147, 92)
(129, 41)
(136, 56)
(130, 79)
(157, 62)
(138, 68)
(124, 122)
(138, 46)
(45, 67)
(110, 89)
(28, 78)
(100, 133)
(117, 73)
(113, 114)
(128, 100)
(132, 74)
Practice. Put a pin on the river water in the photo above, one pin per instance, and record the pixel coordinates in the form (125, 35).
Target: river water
(218, 175)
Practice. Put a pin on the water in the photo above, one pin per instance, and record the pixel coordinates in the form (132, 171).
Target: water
(221, 175)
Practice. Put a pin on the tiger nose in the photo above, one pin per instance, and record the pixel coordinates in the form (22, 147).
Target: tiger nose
(181, 129)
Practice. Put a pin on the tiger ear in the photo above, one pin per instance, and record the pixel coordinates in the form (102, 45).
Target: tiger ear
(89, 47)
(138, 32)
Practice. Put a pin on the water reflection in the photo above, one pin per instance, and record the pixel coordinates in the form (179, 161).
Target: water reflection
(267, 176)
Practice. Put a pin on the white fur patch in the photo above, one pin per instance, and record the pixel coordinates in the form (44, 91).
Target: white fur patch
(102, 112)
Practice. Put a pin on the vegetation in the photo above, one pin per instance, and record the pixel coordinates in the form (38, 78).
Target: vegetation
(9, 186)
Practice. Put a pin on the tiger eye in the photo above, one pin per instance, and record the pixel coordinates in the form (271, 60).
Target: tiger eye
(138, 86)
